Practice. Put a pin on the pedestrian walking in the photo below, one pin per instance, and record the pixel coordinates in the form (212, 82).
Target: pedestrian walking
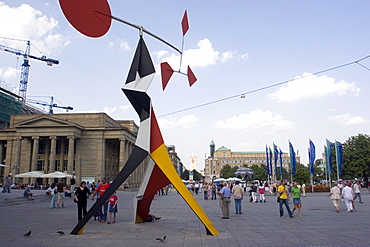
(347, 195)
(357, 191)
(205, 191)
(7, 184)
(303, 189)
(254, 193)
(53, 194)
(283, 199)
(296, 194)
(238, 197)
(61, 189)
(261, 191)
(213, 188)
(335, 196)
(81, 195)
(225, 195)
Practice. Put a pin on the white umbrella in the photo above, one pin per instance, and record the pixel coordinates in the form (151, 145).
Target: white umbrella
(57, 175)
(233, 179)
(4, 165)
(219, 180)
(33, 174)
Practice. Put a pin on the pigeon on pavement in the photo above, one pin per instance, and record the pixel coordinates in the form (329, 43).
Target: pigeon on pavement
(60, 232)
(27, 234)
(161, 239)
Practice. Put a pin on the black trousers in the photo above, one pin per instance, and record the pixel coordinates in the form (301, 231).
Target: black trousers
(81, 208)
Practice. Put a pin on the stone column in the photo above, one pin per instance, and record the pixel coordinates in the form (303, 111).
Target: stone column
(2, 152)
(71, 150)
(18, 147)
(121, 154)
(35, 152)
(53, 147)
(61, 154)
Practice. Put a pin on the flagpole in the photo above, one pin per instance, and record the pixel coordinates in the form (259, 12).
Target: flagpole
(312, 183)
(336, 155)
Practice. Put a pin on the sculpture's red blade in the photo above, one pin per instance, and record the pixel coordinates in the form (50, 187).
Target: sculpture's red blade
(166, 73)
(191, 77)
(86, 16)
(185, 23)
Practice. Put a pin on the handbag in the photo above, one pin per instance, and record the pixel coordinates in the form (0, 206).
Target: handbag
(278, 199)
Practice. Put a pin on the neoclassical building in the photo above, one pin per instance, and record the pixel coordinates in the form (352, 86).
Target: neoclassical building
(224, 156)
(89, 145)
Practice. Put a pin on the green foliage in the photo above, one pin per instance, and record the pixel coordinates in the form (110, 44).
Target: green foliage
(302, 174)
(185, 175)
(227, 171)
(196, 175)
(356, 158)
(260, 172)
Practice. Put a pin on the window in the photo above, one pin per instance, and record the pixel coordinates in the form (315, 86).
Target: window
(57, 165)
(42, 147)
(58, 146)
(40, 165)
(65, 165)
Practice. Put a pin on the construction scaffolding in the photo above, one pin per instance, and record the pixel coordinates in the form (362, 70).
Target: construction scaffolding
(10, 104)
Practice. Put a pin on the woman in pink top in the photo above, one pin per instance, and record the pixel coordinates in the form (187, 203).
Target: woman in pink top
(113, 199)
(261, 190)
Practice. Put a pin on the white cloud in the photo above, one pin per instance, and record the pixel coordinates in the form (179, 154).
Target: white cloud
(111, 110)
(25, 22)
(312, 86)
(244, 57)
(187, 122)
(122, 45)
(8, 73)
(347, 119)
(203, 56)
(255, 120)
(108, 110)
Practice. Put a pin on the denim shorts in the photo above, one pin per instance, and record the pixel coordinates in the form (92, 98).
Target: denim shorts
(296, 200)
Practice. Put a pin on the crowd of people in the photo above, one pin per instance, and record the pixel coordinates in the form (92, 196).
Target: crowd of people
(287, 194)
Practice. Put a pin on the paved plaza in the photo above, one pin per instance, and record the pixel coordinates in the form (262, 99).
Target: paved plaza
(259, 225)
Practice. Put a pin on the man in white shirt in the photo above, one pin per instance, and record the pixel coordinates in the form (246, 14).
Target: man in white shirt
(356, 190)
(335, 196)
(347, 195)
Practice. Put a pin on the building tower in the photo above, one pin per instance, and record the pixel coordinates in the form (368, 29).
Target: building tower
(193, 163)
(212, 148)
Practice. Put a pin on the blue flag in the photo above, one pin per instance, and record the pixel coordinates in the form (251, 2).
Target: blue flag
(276, 154)
(329, 156)
(339, 155)
(270, 161)
(293, 161)
(311, 157)
(281, 162)
(267, 161)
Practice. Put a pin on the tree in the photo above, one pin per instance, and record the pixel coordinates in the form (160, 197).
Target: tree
(302, 175)
(196, 175)
(185, 175)
(227, 171)
(260, 172)
(356, 158)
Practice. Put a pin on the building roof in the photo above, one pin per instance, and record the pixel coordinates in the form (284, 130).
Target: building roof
(212, 143)
(223, 148)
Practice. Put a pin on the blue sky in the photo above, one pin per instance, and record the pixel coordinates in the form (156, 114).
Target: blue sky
(232, 47)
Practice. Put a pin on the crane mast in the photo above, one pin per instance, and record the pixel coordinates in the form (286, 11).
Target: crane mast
(26, 66)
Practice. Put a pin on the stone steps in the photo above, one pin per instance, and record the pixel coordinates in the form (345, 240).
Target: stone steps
(23, 200)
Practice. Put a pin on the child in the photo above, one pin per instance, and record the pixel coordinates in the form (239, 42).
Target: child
(112, 208)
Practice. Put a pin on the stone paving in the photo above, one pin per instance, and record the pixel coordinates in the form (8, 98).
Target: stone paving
(259, 225)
